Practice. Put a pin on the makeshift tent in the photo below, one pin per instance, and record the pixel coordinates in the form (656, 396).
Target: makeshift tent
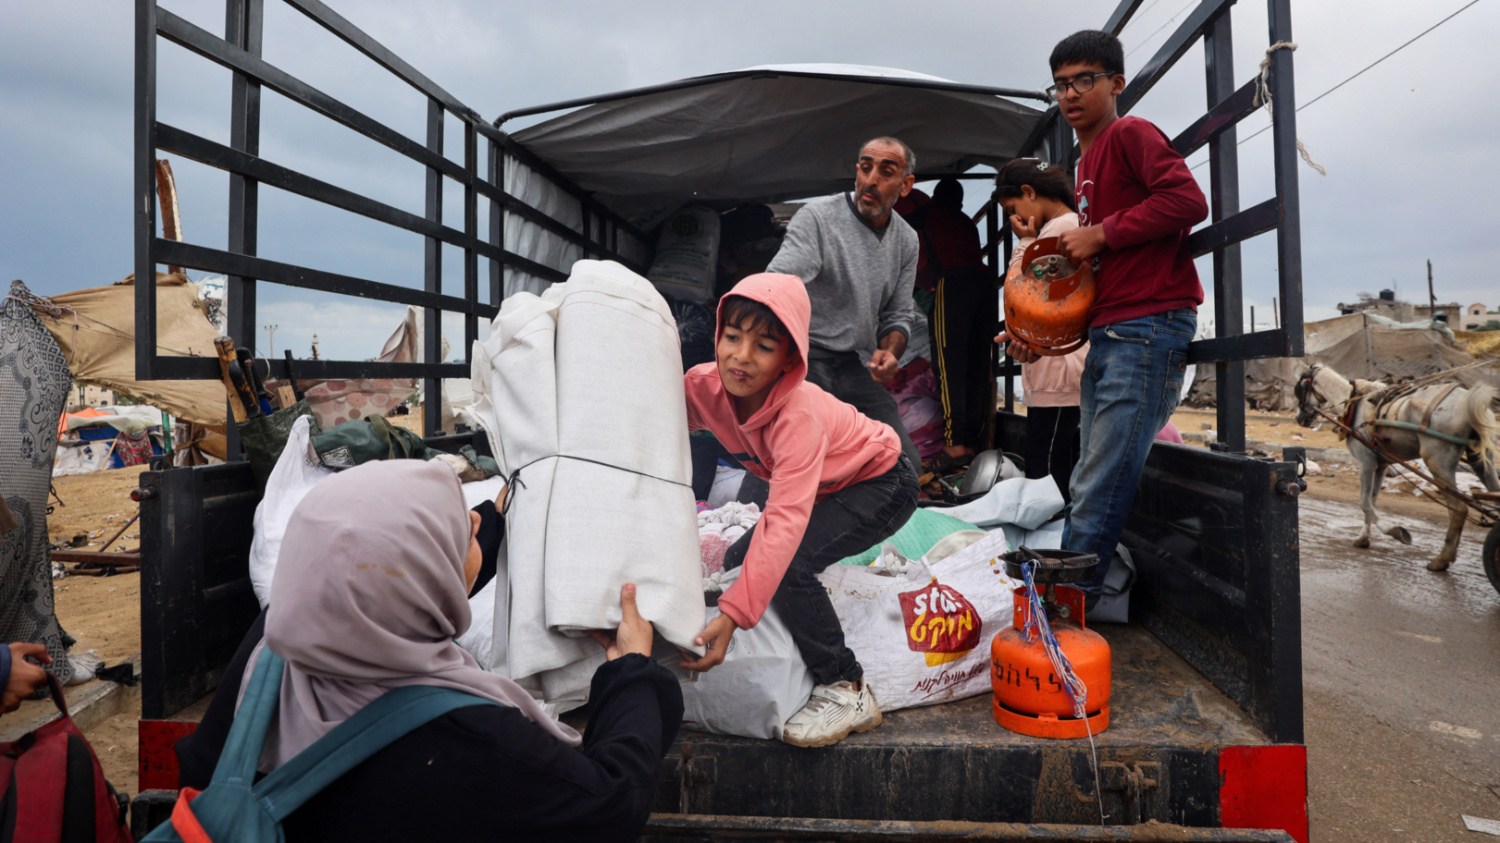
(95, 328)
(84, 414)
(108, 437)
(1356, 346)
(34, 385)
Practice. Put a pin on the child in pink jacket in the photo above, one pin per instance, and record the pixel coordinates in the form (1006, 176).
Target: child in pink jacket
(839, 484)
(1038, 199)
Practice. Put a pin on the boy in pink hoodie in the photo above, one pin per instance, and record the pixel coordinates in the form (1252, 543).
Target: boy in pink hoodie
(839, 484)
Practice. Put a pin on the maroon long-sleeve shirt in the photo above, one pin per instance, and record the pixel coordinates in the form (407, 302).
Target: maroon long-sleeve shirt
(1135, 184)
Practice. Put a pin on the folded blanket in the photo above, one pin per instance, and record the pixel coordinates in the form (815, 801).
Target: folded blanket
(594, 435)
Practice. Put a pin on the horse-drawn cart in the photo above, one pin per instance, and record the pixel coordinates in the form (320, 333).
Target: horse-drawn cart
(1433, 418)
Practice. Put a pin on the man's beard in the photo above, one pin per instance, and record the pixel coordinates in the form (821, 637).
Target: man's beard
(885, 208)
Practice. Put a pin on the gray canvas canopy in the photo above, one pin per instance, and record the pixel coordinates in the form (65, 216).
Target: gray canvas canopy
(769, 133)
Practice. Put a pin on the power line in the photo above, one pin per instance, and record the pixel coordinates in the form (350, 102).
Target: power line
(1134, 19)
(1361, 72)
(1175, 15)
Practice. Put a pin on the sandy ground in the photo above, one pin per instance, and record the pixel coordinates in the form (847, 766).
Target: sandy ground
(1379, 760)
(103, 613)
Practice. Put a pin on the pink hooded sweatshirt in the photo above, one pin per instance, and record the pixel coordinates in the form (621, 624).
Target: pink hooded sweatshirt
(807, 443)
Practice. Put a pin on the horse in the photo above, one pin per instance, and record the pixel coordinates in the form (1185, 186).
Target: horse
(1442, 423)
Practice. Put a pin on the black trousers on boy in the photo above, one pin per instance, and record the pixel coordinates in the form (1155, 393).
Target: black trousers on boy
(1052, 445)
(846, 522)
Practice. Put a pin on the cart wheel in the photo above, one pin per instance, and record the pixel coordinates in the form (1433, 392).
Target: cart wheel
(1491, 556)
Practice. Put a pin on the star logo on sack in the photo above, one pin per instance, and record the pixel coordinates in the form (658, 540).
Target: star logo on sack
(940, 623)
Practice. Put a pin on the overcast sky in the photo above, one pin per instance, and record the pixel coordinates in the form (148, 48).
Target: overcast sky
(1407, 145)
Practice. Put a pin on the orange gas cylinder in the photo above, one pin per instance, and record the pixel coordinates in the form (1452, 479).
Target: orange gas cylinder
(1047, 299)
(1029, 695)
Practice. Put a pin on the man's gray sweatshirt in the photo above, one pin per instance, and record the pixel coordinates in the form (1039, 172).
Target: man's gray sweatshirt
(859, 280)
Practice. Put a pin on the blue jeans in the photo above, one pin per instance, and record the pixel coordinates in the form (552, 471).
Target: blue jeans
(1132, 380)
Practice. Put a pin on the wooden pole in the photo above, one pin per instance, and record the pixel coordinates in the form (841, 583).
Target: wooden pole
(1431, 297)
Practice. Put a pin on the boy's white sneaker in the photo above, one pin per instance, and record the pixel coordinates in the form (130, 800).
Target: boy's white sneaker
(832, 713)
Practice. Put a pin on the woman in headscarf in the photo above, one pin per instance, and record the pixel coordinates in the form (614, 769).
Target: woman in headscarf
(372, 587)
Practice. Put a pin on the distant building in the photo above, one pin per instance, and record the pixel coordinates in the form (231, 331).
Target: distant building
(1476, 315)
(1388, 306)
(85, 395)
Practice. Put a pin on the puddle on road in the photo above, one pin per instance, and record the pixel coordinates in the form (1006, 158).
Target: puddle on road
(1332, 568)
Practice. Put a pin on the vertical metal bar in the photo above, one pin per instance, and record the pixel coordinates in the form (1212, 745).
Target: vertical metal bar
(1224, 201)
(1006, 237)
(471, 228)
(244, 24)
(144, 210)
(1284, 139)
(1063, 144)
(432, 322)
(587, 227)
(497, 222)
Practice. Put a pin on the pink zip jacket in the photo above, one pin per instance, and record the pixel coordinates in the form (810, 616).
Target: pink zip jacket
(807, 443)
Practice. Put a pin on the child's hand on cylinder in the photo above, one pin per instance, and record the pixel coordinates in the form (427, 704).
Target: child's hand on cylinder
(715, 638)
(635, 633)
(1018, 349)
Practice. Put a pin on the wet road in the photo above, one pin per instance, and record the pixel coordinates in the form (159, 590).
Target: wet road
(1401, 671)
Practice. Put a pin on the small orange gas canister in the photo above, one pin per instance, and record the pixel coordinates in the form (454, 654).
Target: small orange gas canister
(1047, 299)
(1030, 696)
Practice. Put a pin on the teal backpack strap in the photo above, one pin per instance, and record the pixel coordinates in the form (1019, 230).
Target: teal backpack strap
(373, 728)
(247, 736)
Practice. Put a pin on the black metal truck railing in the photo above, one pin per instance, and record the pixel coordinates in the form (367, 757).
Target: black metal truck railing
(240, 51)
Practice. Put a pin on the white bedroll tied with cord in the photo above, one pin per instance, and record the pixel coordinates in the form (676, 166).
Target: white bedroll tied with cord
(580, 390)
(1263, 97)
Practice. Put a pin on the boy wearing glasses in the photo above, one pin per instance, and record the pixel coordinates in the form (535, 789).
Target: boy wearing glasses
(1137, 202)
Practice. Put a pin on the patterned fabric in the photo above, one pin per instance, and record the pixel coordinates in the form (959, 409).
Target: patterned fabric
(133, 450)
(34, 383)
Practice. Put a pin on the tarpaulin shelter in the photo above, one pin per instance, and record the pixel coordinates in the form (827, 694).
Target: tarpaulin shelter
(95, 328)
(1356, 346)
(81, 415)
(724, 139)
(762, 134)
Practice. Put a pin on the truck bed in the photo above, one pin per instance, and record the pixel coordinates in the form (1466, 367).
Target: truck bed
(953, 762)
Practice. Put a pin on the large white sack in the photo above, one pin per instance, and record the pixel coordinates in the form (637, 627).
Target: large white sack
(581, 391)
(924, 638)
(291, 479)
(521, 363)
(622, 507)
(761, 683)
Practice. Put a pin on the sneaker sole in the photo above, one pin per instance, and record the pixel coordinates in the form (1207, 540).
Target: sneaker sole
(833, 739)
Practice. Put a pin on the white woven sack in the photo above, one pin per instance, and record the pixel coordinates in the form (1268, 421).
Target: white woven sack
(924, 638)
(761, 683)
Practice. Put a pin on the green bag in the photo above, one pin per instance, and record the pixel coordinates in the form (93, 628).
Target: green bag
(372, 438)
(925, 528)
(264, 438)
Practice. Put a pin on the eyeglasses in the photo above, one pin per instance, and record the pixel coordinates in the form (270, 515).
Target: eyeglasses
(1082, 85)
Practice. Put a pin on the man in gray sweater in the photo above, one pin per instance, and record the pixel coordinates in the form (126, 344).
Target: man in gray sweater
(859, 262)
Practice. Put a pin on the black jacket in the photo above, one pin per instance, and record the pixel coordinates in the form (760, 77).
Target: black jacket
(484, 772)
